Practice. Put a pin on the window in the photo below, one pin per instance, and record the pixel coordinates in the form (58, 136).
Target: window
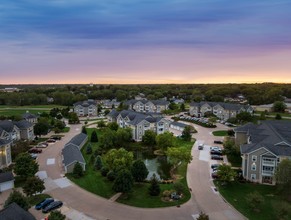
(253, 176)
(254, 158)
(254, 167)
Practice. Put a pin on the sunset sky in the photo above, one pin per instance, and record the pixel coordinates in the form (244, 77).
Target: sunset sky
(145, 41)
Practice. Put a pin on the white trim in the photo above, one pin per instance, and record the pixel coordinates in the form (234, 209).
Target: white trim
(284, 143)
(260, 149)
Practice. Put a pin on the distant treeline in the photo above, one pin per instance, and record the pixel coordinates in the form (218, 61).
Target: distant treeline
(68, 94)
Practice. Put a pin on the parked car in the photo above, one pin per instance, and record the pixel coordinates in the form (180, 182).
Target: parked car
(218, 142)
(216, 152)
(35, 150)
(57, 138)
(215, 165)
(42, 145)
(200, 146)
(216, 157)
(33, 155)
(44, 203)
(50, 140)
(215, 148)
(52, 206)
(214, 174)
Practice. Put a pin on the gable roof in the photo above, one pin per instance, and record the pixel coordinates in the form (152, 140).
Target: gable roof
(71, 153)
(14, 211)
(4, 142)
(28, 115)
(176, 123)
(7, 125)
(5, 177)
(274, 135)
(155, 102)
(23, 124)
(86, 103)
(78, 139)
(226, 106)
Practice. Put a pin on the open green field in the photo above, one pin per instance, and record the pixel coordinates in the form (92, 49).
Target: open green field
(94, 182)
(235, 193)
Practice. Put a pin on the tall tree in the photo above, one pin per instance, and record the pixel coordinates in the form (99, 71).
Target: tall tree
(279, 106)
(41, 128)
(283, 174)
(139, 171)
(94, 137)
(25, 166)
(84, 130)
(118, 159)
(123, 182)
(187, 133)
(33, 185)
(149, 138)
(178, 154)
(165, 140)
(78, 170)
(18, 198)
(154, 189)
(98, 163)
(123, 137)
(113, 126)
(225, 173)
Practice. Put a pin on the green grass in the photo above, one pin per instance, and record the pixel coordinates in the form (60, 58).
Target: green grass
(220, 133)
(235, 193)
(94, 182)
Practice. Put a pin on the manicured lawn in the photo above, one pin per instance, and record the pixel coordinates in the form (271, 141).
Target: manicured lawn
(220, 133)
(235, 193)
(94, 182)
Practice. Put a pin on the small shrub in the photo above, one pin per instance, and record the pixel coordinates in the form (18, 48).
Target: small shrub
(78, 170)
(111, 175)
(104, 171)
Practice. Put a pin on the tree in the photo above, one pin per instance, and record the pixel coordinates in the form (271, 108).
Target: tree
(165, 140)
(108, 140)
(118, 159)
(279, 106)
(187, 133)
(101, 124)
(41, 128)
(244, 117)
(73, 118)
(278, 117)
(178, 154)
(78, 170)
(173, 106)
(149, 138)
(56, 215)
(113, 126)
(139, 171)
(154, 189)
(182, 107)
(123, 137)
(18, 198)
(225, 173)
(123, 182)
(283, 174)
(255, 199)
(25, 166)
(202, 216)
(98, 163)
(33, 185)
(60, 124)
(84, 130)
(94, 137)
(18, 148)
(179, 187)
(89, 149)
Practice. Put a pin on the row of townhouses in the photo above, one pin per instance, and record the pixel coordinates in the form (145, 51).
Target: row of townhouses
(86, 108)
(139, 122)
(10, 132)
(222, 110)
(262, 148)
(147, 105)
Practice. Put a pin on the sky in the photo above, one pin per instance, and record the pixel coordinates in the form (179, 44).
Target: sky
(144, 41)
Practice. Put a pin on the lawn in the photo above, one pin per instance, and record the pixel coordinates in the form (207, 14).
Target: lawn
(94, 182)
(235, 193)
(220, 133)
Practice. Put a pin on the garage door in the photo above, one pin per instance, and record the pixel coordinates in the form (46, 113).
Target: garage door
(6, 186)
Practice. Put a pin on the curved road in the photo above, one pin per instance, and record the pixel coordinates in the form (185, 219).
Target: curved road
(80, 204)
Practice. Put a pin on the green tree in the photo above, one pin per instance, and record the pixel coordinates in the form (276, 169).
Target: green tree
(94, 137)
(56, 215)
(118, 159)
(279, 106)
(173, 106)
(149, 138)
(33, 185)
(101, 124)
(98, 163)
(73, 118)
(18, 148)
(283, 174)
(108, 140)
(187, 133)
(89, 149)
(278, 117)
(154, 189)
(244, 117)
(18, 198)
(178, 154)
(182, 107)
(202, 216)
(139, 171)
(165, 140)
(123, 137)
(78, 170)
(84, 130)
(41, 128)
(113, 126)
(225, 173)
(123, 182)
(179, 187)
(255, 200)
(60, 124)
(25, 166)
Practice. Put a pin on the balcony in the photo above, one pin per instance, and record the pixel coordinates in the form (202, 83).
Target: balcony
(268, 172)
(269, 163)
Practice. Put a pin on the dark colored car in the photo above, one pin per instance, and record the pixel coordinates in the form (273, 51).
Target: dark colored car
(44, 203)
(35, 150)
(214, 174)
(200, 147)
(216, 157)
(215, 166)
(216, 152)
(218, 142)
(57, 138)
(51, 141)
(52, 206)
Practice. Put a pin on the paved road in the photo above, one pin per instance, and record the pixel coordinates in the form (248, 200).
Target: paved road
(80, 204)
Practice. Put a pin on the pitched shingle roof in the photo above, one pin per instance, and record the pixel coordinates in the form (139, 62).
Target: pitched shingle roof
(273, 135)
(15, 212)
(175, 123)
(71, 153)
(155, 102)
(23, 124)
(28, 116)
(86, 103)
(78, 139)
(4, 142)
(5, 177)
(7, 125)
(227, 106)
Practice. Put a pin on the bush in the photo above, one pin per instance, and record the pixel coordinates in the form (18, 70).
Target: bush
(111, 175)
(98, 163)
(89, 149)
(104, 171)
(78, 170)
(18, 198)
(154, 189)
(179, 187)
